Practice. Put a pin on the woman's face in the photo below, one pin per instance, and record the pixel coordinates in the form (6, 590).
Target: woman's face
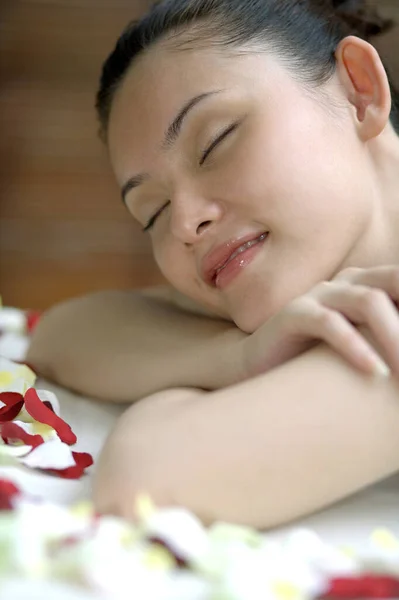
(254, 153)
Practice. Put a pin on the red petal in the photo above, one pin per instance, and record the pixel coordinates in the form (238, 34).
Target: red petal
(32, 319)
(82, 459)
(8, 413)
(49, 405)
(368, 586)
(10, 398)
(39, 411)
(13, 404)
(8, 491)
(15, 432)
(69, 473)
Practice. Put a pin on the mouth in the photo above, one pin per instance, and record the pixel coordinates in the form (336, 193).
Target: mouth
(230, 259)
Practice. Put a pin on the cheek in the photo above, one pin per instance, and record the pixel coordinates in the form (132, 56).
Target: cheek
(243, 179)
(304, 169)
(173, 265)
(162, 255)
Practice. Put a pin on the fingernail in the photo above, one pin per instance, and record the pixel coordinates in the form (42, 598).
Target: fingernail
(381, 369)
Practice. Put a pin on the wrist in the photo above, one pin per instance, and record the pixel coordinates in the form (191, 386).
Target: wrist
(225, 359)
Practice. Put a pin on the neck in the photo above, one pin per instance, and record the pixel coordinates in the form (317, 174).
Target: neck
(380, 245)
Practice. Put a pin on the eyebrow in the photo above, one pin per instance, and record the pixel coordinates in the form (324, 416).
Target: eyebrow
(171, 135)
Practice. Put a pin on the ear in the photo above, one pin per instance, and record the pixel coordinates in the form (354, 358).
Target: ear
(366, 85)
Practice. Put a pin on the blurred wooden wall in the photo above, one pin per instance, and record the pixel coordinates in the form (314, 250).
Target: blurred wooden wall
(63, 229)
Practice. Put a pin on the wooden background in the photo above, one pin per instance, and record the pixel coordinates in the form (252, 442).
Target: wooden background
(63, 228)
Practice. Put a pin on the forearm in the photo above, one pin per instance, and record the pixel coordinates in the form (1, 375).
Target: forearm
(262, 452)
(298, 439)
(123, 346)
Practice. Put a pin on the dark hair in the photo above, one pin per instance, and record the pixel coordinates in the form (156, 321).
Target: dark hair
(304, 32)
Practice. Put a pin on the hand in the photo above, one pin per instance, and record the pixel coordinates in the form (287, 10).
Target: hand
(330, 312)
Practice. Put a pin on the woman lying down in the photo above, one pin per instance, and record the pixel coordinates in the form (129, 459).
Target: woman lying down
(256, 142)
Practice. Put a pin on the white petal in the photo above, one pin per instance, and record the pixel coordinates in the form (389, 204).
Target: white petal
(16, 451)
(12, 319)
(180, 529)
(53, 454)
(15, 377)
(7, 365)
(14, 346)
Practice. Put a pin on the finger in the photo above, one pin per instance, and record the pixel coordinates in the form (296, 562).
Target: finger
(336, 331)
(385, 278)
(372, 307)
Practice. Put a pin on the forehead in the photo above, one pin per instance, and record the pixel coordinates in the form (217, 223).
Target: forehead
(159, 83)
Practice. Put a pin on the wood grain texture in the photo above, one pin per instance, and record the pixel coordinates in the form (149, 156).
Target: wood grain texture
(63, 228)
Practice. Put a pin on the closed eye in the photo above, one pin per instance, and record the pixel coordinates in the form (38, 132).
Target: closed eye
(155, 216)
(217, 141)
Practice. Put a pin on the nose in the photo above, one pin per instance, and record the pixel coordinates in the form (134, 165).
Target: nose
(192, 215)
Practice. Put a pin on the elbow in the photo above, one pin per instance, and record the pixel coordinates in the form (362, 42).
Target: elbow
(143, 455)
(121, 476)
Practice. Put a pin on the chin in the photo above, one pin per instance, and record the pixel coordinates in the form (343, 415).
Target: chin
(248, 324)
(250, 318)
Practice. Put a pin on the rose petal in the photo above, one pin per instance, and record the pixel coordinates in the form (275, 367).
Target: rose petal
(43, 414)
(83, 460)
(13, 346)
(12, 431)
(9, 454)
(10, 398)
(365, 586)
(36, 428)
(32, 319)
(15, 377)
(13, 404)
(26, 364)
(54, 454)
(12, 319)
(6, 379)
(19, 385)
(8, 491)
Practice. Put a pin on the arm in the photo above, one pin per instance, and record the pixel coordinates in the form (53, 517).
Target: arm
(262, 452)
(122, 346)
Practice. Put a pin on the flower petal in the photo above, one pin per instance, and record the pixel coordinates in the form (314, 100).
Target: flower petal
(32, 319)
(54, 454)
(14, 346)
(9, 454)
(13, 404)
(50, 400)
(36, 428)
(83, 460)
(43, 414)
(366, 586)
(12, 319)
(10, 398)
(12, 431)
(15, 377)
(8, 491)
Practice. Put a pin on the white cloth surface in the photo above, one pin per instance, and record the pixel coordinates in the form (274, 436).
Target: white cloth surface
(350, 521)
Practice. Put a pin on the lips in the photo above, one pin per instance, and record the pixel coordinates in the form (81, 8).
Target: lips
(219, 256)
